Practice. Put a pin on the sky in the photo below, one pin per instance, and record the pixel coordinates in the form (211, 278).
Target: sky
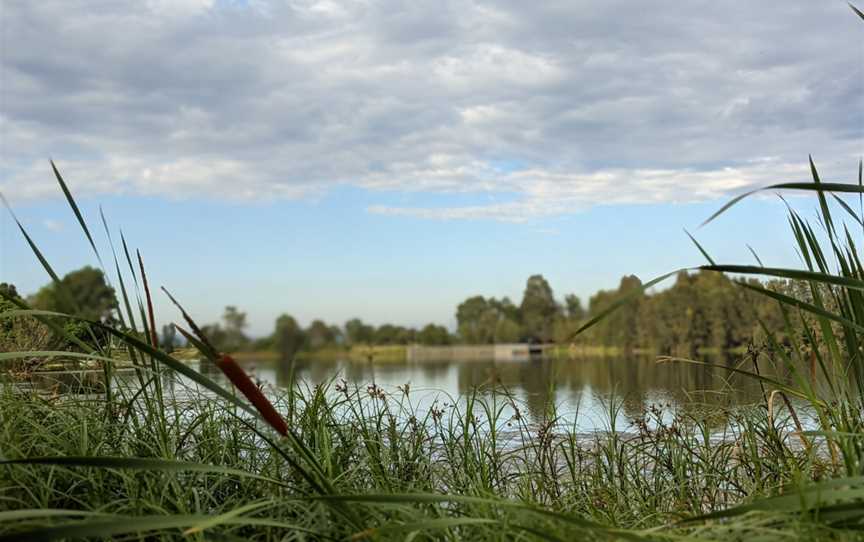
(387, 159)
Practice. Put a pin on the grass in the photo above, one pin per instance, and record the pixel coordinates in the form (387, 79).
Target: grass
(173, 454)
(402, 469)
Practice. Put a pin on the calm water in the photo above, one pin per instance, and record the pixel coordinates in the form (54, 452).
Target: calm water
(582, 389)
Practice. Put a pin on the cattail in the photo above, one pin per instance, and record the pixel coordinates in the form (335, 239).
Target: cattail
(233, 372)
(253, 393)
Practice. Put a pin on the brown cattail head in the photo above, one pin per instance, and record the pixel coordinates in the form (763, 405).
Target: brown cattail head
(241, 380)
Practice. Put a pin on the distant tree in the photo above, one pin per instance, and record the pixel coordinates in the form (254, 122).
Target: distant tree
(574, 307)
(262, 344)
(169, 338)
(621, 327)
(507, 331)
(235, 323)
(487, 321)
(319, 335)
(505, 309)
(386, 334)
(7, 325)
(405, 335)
(469, 314)
(8, 290)
(22, 333)
(82, 293)
(216, 336)
(288, 337)
(538, 309)
(356, 332)
(336, 335)
(433, 335)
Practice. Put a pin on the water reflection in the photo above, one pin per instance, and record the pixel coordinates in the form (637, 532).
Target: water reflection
(581, 389)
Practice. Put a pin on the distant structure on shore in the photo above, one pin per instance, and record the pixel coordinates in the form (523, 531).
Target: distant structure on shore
(481, 352)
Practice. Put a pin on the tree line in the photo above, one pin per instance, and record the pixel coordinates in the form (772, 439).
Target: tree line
(703, 310)
(700, 310)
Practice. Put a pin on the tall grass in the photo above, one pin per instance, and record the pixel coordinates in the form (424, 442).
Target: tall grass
(158, 457)
(176, 455)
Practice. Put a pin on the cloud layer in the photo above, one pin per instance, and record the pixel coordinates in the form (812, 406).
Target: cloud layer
(548, 108)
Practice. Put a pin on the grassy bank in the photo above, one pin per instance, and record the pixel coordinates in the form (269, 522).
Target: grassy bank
(171, 454)
(357, 353)
(143, 460)
(365, 464)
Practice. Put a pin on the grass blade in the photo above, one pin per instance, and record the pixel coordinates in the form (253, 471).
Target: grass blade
(77, 212)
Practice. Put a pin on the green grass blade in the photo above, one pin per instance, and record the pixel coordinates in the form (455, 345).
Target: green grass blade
(439, 524)
(795, 274)
(45, 318)
(17, 515)
(750, 374)
(823, 202)
(123, 291)
(803, 305)
(805, 498)
(45, 265)
(221, 519)
(7, 356)
(139, 463)
(811, 187)
(848, 209)
(702, 250)
(77, 212)
(624, 299)
(123, 525)
(758, 259)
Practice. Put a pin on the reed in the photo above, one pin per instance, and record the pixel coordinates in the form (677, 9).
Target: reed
(174, 454)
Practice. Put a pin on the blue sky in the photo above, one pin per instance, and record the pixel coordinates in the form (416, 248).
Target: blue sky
(387, 159)
(330, 258)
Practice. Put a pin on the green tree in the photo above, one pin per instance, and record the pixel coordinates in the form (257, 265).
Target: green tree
(507, 331)
(235, 323)
(538, 309)
(169, 338)
(8, 290)
(487, 321)
(319, 335)
(83, 293)
(288, 337)
(574, 307)
(468, 319)
(21, 333)
(336, 335)
(433, 335)
(216, 336)
(356, 332)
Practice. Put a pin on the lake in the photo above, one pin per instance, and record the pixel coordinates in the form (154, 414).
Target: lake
(582, 389)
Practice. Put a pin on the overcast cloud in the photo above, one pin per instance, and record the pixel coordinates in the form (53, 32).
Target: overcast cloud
(543, 108)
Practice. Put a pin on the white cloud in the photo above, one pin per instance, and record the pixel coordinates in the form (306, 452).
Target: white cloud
(551, 107)
(52, 225)
(179, 7)
(541, 193)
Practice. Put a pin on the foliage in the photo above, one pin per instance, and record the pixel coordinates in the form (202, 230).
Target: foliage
(319, 335)
(288, 337)
(235, 323)
(538, 309)
(358, 463)
(168, 340)
(21, 333)
(433, 335)
(486, 321)
(359, 333)
(83, 292)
